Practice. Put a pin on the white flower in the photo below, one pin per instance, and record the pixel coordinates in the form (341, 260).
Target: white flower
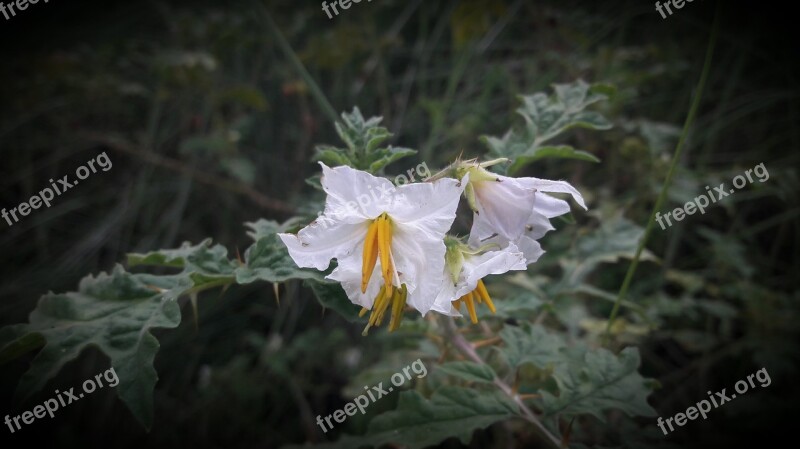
(464, 272)
(389, 246)
(514, 209)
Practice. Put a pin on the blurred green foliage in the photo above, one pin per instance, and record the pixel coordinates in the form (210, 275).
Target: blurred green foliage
(209, 126)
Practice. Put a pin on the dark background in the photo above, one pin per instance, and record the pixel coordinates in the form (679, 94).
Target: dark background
(74, 73)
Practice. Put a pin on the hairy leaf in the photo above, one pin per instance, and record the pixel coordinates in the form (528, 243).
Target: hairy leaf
(417, 422)
(531, 344)
(470, 371)
(364, 141)
(595, 381)
(547, 117)
(268, 259)
(114, 313)
(331, 295)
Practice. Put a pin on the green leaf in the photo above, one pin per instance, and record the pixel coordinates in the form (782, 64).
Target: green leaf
(592, 382)
(616, 238)
(548, 117)
(265, 228)
(364, 144)
(203, 262)
(382, 157)
(519, 305)
(418, 423)
(332, 296)
(531, 344)
(331, 156)
(470, 371)
(268, 259)
(556, 152)
(115, 314)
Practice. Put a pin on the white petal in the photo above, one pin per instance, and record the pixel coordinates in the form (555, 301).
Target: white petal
(530, 249)
(419, 262)
(324, 239)
(546, 185)
(481, 233)
(424, 297)
(444, 299)
(429, 206)
(504, 205)
(355, 195)
(348, 273)
(550, 206)
(490, 262)
(538, 226)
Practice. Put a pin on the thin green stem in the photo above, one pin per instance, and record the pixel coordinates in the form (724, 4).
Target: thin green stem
(675, 158)
(313, 87)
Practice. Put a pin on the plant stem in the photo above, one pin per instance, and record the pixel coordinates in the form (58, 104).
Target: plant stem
(151, 157)
(313, 87)
(675, 158)
(468, 351)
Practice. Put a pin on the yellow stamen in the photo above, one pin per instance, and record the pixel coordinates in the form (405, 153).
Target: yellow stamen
(457, 304)
(363, 312)
(380, 308)
(485, 295)
(398, 304)
(370, 256)
(376, 305)
(471, 307)
(385, 248)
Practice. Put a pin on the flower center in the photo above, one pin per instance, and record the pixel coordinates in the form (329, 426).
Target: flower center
(378, 243)
(480, 294)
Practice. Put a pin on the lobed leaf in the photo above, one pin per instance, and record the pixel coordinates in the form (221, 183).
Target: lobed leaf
(112, 312)
(418, 423)
(531, 344)
(469, 371)
(365, 147)
(591, 382)
(548, 117)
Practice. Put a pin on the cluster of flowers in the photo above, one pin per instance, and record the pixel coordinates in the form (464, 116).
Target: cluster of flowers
(395, 250)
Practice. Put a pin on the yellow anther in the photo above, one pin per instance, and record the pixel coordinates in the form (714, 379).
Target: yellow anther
(385, 248)
(470, 307)
(370, 256)
(398, 304)
(376, 306)
(484, 294)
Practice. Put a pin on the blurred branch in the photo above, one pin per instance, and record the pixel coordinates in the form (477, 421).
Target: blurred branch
(122, 146)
